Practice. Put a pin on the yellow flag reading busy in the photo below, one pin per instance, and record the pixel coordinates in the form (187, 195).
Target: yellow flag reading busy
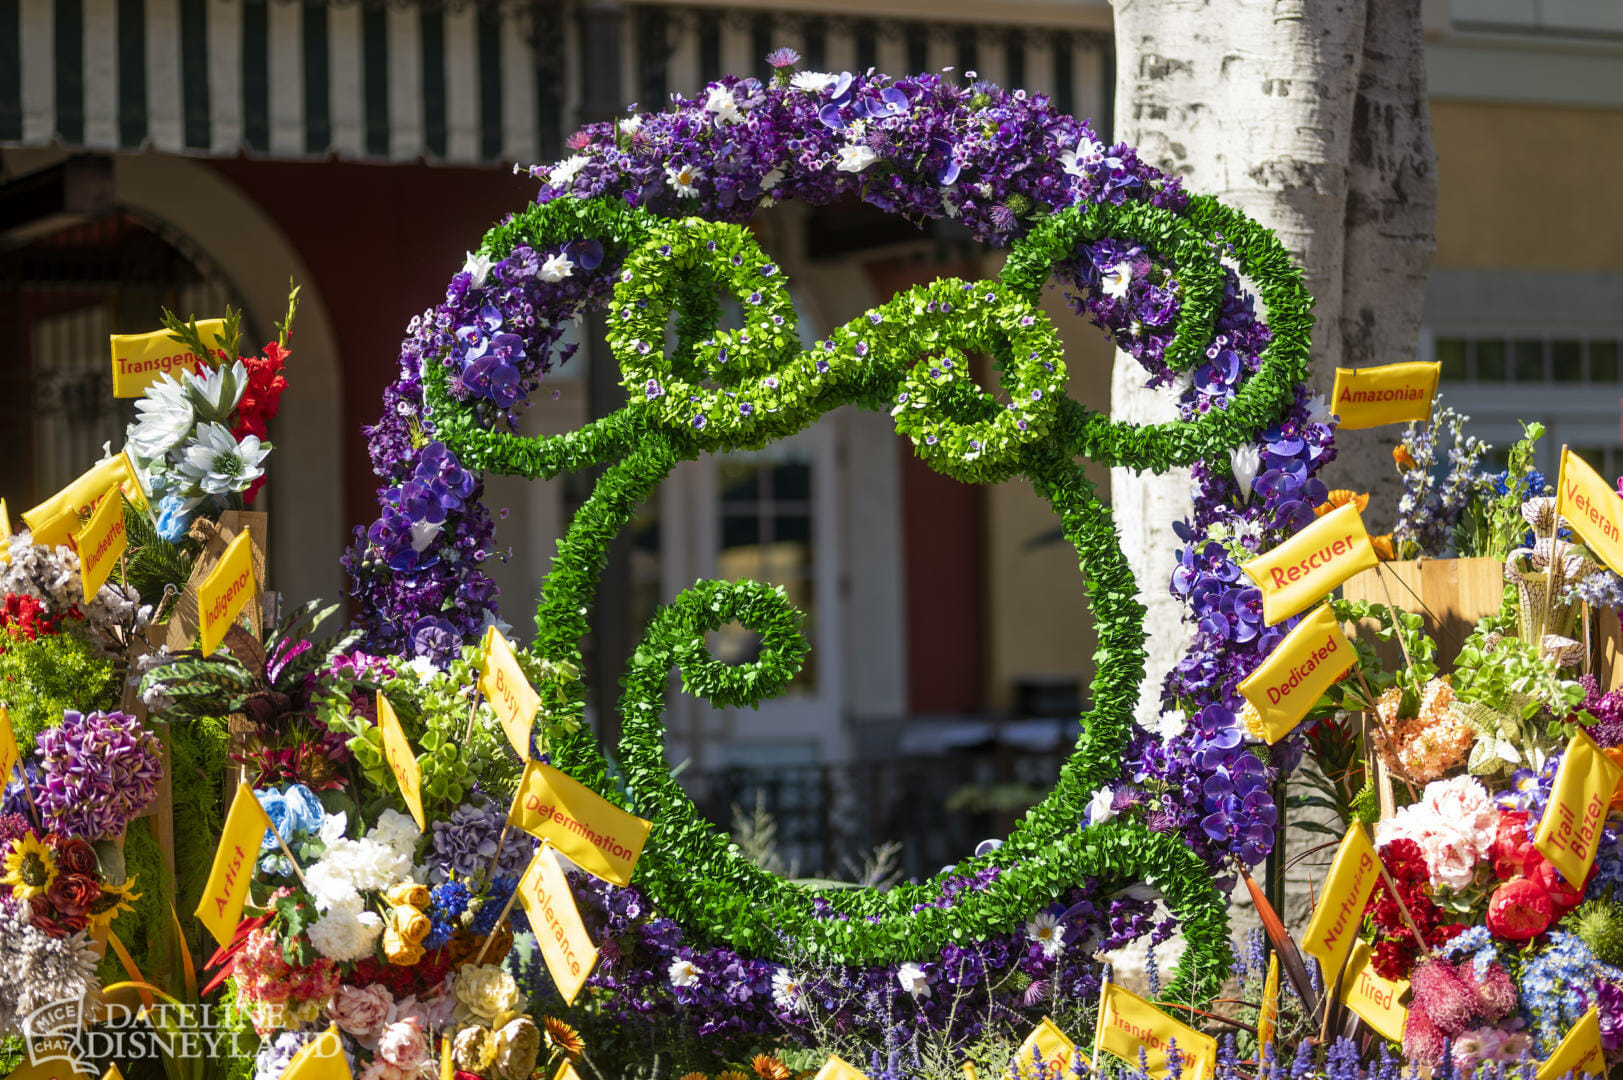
(1569, 831)
(1581, 1051)
(139, 360)
(1389, 394)
(559, 931)
(100, 544)
(596, 835)
(1311, 658)
(503, 684)
(1592, 507)
(1128, 1024)
(1353, 876)
(402, 761)
(1302, 571)
(1378, 1001)
(245, 824)
(222, 595)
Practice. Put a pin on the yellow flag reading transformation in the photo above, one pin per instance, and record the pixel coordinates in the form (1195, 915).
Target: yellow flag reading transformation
(322, 1058)
(1128, 1023)
(245, 824)
(1592, 507)
(139, 360)
(1353, 876)
(1268, 1012)
(503, 684)
(1580, 1051)
(1570, 828)
(100, 543)
(1302, 571)
(222, 595)
(402, 761)
(1389, 394)
(596, 835)
(1049, 1044)
(1378, 1001)
(559, 931)
(1310, 659)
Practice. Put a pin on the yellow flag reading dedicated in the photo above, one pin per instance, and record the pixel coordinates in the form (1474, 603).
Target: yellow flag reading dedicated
(1128, 1023)
(139, 360)
(221, 595)
(596, 835)
(1301, 668)
(1390, 394)
(1302, 570)
(1592, 507)
(402, 761)
(1378, 1001)
(503, 684)
(101, 542)
(1334, 925)
(1580, 1051)
(1570, 828)
(550, 906)
(245, 824)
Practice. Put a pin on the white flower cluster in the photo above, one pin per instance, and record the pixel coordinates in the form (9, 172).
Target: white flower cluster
(347, 930)
(37, 970)
(51, 576)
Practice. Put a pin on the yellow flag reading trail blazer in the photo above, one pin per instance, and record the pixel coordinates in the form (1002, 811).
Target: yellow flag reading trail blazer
(139, 360)
(1302, 571)
(322, 1058)
(1048, 1041)
(100, 543)
(1310, 659)
(1378, 1001)
(9, 754)
(1389, 394)
(1353, 876)
(596, 835)
(245, 824)
(550, 906)
(222, 594)
(510, 694)
(1580, 1051)
(402, 761)
(1569, 831)
(1592, 507)
(1127, 1023)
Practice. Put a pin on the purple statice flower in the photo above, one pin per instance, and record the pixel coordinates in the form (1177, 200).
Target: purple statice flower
(465, 842)
(97, 771)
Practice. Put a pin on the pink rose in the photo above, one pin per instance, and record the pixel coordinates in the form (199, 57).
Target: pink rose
(1451, 861)
(1464, 805)
(361, 1011)
(404, 1044)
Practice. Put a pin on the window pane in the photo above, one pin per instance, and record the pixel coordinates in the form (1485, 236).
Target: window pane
(1529, 360)
(1490, 360)
(1566, 361)
(740, 481)
(1603, 361)
(739, 531)
(791, 483)
(795, 528)
(1451, 354)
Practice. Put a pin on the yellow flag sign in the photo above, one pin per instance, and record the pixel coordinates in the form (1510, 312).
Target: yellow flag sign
(836, 1068)
(402, 761)
(84, 494)
(1353, 876)
(1570, 828)
(223, 593)
(566, 1071)
(322, 1058)
(1310, 659)
(54, 1060)
(140, 359)
(1592, 507)
(1268, 1011)
(1128, 1024)
(1390, 394)
(1378, 1001)
(559, 931)
(503, 684)
(100, 543)
(10, 756)
(1048, 1044)
(221, 907)
(57, 531)
(596, 835)
(1301, 571)
(1580, 1051)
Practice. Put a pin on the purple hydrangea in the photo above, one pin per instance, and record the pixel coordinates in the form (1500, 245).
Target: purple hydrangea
(96, 772)
(465, 843)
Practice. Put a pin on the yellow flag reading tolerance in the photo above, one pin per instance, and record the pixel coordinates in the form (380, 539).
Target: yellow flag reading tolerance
(592, 832)
(220, 910)
(1310, 659)
(1378, 1001)
(100, 544)
(1592, 507)
(1569, 831)
(1128, 1024)
(503, 684)
(1300, 572)
(222, 595)
(1353, 876)
(1580, 1051)
(559, 931)
(1050, 1044)
(322, 1058)
(402, 761)
(139, 360)
(1389, 394)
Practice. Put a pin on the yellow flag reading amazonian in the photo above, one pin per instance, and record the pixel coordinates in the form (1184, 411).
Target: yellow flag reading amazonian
(223, 593)
(1570, 828)
(221, 907)
(550, 906)
(100, 543)
(139, 359)
(1580, 1051)
(322, 1058)
(502, 682)
(9, 754)
(596, 835)
(1389, 394)
(402, 761)
(1268, 1011)
(1378, 1001)
(1128, 1023)
(1301, 571)
(1300, 669)
(1353, 876)
(86, 493)
(836, 1068)
(1048, 1043)
(1592, 507)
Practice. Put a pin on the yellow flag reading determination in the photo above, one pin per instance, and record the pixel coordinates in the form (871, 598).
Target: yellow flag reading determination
(1592, 507)
(1389, 394)
(1570, 828)
(835, 1068)
(503, 684)
(101, 542)
(322, 1058)
(1268, 1013)
(9, 754)
(1128, 1023)
(1580, 1051)
(221, 907)
(1353, 876)
(1049, 1043)
(1378, 1001)
(1301, 571)
(402, 761)
(223, 593)
(86, 493)
(139, 360)
(596, 835)
(559, 931)
(1300, 669)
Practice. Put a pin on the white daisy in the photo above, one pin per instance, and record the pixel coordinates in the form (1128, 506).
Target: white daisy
(563, 174)
(685, 179)
(1115, 281)
(684, 973)
(1168, 725)
(557, 267)
(854, 157)
(1045, 928)
(913, 980)
(723, 105)
(786, 992)
(217, 464)
(631, 124)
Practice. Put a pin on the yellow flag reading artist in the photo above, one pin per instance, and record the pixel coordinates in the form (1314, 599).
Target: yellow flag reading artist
(245, 825)
(1592, 507)
(222, 595)
(1302, 571)
(1310, 659)
(1389, 394)
(1569, 831)
(559, 931)
(1128, 1024)
(1353, 876)
(596, 835)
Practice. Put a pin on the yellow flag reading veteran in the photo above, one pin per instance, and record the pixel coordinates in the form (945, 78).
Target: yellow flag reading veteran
(1300, 669)
(221, 595)
(1389, 394)
(1580, 1051)
(1378, 1001)
(139, 360)
(1592, 507)
(322, 1058)
(503, 684)
(559, 931)
(221, 907)
(1353, 876)
(1301, 571)
(402, 761)
(596, 835)
(100, 543)
(1569, 831)
(1049, 1043)
(1128, 1023)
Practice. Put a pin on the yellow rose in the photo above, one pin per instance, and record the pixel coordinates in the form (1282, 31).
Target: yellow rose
(412, 925)
(409, 894)
(486, 992)
(474, 1049)
(397, 950)
(518, 1045)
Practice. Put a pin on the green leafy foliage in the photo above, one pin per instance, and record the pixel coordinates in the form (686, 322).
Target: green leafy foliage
(42, 678)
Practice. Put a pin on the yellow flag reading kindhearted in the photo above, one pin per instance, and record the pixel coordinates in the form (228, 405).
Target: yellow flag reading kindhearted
(100, 543)
(1592, 507)
(322, 1058)
(1301, 571)
(1300, 669)
(596, 835)
(559, 931)
(221, 907)
(1389, 394)
(10, 756)
(402, 761)
(1268, 1011)
(140, 359)
(1048, 1044)
(1580, 1051)
(86, 492)
(1569, 831)
(836, 1068)
(223, 593)
(503, 684)
(1378, 1001)
(1128, 1024)
(1353, 876)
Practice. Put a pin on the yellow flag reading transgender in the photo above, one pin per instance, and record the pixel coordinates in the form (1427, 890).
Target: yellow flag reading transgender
(1389, 394)
(1128, 1024)
(139, 360)
(1592, 507)
(1569, 832)
(1300, 669)
(1353, 876)
(592, 832)
(1301, 571)
(222, 595)
(221, 907)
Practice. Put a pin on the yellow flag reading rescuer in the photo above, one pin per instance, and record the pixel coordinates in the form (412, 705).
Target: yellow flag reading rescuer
(1300, 572)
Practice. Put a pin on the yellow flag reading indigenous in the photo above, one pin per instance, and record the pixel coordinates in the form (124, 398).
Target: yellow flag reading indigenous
(1128, 1023)
(1048, 1043)
(596, 835)
(1570, 828)
(245, 824)
(84, 494)
(1390, 394)
(1300, 669)
(402, 761)
(1378, 1001)
(836, 1068)
(550, 906)
(1592, 507)
(100, 543)
(1301, 571)
(1268, 1012)
(502, 682)
(140, 359)
(222, 594)
(1580, 1051)
(322, 1058)
(1353, 876)
(9, 754)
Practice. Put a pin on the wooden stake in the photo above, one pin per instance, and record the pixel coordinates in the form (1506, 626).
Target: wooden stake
(473, 710)
(1403, 774)
(289, 853)
(490, 871)
(500, 919)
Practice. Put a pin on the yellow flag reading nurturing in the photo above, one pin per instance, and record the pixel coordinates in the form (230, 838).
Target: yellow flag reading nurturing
(503, 684)
(1580, 1051)
(1302, 571)
(1128, 1023)
(1389, 394)
(1568, 831)
(1268, 1011)
(559, 931)
(139, 360)
(221, 907)
(1592, 507)
(1378, 1001)
(322, 1058)
(1310, 659)
(596, 835)
(402, 761)
(84, 494)
(836, 1068)
(1353, 876)
(222, 595)
(10, 756)
(100, 543)
(1049, 1043)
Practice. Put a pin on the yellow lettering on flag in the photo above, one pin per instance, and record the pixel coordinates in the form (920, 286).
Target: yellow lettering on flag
(84, 494)
(10, 756)
(1128, 1023)
(1268, 1011)
(322, 1058)
(550, 906)
(1378, 1001)
(592, 832)
(1353, 876)
(1301, 571)
(100, 543)
(1310, 659)
(503, 684)
(1580, 1051)
(1569, 831)
(1389, 394)
(220, 909)
(402, 761)
(1048, 1044)
(222, 595)
(836, 1068)
(140, 359)
(1592, 507)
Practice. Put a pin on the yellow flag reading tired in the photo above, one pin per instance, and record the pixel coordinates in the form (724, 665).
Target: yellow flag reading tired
(1268, 1011)
(100, 544)
(1569, 831)
(402, 761)
(1581, 1051)
(1048, 1044)
(9, 754)
(1353, 876)
(1378, 1001)
(1389, 394)
(1300, 669)
(322, 1058)
(1128, 1023)
(503, 684)
(139, 360)
(596, 835)
(223, 593)
(559, 931)
(221, 907)
(1592, 507)
(1302, 570)
(85, 493)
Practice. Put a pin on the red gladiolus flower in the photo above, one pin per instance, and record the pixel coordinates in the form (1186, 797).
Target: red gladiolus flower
(1520, 910)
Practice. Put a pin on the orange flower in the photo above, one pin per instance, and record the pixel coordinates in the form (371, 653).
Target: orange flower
(1341, 497)
(732, 1074)
(1384, 548)
(1402, 457)
(695, 1076)
(768, 1067)
(560, 1036)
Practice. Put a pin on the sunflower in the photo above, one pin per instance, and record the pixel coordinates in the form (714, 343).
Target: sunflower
(733, 1074)
(30, 867)
(114, 901)
(768, 1067)
(1341, 497)
(562, 1037)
